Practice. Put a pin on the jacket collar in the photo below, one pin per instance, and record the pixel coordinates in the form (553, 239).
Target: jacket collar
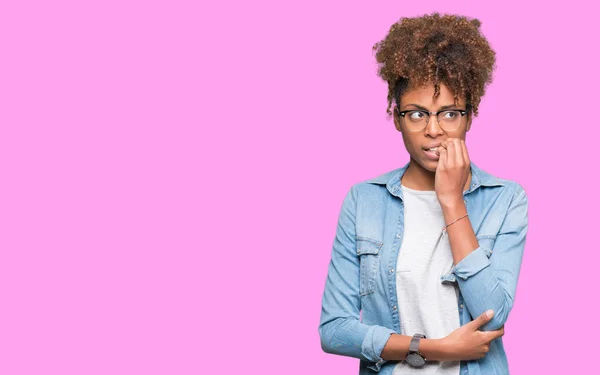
(392, 179)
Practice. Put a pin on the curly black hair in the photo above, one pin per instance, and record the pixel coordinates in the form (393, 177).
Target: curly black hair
(448, 49)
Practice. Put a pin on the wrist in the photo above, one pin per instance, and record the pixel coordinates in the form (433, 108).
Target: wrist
(434, 349)
(453, 210)
(451, 201)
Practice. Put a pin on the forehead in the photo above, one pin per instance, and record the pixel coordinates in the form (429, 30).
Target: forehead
(423, 96)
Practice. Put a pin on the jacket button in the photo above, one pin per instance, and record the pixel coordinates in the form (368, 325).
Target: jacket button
(394, 307)
(392, 270)
(399, 235)
(462, 306)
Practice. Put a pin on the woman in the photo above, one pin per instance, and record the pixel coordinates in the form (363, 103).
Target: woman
(426, 257)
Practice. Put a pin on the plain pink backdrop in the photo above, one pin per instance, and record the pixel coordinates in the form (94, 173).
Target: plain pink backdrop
(172, 172)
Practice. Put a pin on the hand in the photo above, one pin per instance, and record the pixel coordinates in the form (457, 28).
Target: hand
(452, 171)
(468, 342)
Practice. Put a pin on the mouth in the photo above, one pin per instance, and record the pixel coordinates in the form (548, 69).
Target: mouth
(432, 153)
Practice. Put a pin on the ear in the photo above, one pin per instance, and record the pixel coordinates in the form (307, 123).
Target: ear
(469, 121)
(397, 124)
(396, 120)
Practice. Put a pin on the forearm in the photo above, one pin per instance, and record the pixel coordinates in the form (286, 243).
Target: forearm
(483, 291)
(461, 235)
(350, 337)
(397, 346)
(486, 281)
(479, 285)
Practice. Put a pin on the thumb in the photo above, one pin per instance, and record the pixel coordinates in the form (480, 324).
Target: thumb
(482, 319)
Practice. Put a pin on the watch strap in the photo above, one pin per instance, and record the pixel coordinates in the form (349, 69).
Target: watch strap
(414, 343)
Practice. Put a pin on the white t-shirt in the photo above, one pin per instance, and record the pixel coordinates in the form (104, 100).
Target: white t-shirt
(426, 305)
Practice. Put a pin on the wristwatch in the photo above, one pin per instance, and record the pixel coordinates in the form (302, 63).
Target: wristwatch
(414, 357)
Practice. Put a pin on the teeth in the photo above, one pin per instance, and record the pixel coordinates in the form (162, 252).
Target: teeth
(433, 149)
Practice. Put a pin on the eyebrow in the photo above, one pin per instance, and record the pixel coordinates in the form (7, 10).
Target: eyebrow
(425, 109)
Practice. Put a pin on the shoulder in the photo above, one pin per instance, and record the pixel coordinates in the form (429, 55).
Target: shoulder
(499, 192)
(486, 179)
(380, 184)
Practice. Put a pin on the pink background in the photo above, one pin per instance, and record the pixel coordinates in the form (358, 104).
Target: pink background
(171, 175)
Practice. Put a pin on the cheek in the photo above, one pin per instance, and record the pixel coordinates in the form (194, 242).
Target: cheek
(412, 141)
(460, 134)
(408, 144)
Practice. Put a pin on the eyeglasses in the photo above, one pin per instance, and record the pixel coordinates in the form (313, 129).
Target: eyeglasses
(417, 120)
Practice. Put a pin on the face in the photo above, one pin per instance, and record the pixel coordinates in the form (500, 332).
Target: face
(418, 143)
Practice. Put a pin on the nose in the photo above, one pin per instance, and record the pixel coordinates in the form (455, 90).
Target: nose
(433, 128)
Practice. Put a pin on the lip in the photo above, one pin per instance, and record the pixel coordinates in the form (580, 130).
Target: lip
(432, 145)
(431, 155)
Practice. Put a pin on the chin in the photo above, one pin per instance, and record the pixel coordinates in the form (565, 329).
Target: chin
(428, 165)
(431, 166)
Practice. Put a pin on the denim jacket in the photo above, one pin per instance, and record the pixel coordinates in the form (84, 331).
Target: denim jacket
(359, 304)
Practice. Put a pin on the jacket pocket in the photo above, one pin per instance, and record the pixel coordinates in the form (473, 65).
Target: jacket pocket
(367, 251)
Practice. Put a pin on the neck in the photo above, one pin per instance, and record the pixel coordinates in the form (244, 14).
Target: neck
(418, 178)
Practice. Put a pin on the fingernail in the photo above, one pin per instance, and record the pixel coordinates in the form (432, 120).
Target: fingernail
(489, 313)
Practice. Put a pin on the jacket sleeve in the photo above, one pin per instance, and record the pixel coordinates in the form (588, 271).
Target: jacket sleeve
(487, 277)
(340, 329)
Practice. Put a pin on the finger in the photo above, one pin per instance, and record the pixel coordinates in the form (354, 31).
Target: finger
(443, 158)
(492, 335)
(465, 152)
(450, 147)
(460, 159)
(482, 319)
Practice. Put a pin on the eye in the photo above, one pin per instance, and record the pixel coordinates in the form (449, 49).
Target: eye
(450, 115)
(416, 115)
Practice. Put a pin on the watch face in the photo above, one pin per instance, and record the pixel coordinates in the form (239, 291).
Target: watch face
(415, 359)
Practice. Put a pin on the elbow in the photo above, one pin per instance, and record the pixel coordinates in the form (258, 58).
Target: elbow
(342, 336)
(336, 338)
(326, 334)
(500, 316)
